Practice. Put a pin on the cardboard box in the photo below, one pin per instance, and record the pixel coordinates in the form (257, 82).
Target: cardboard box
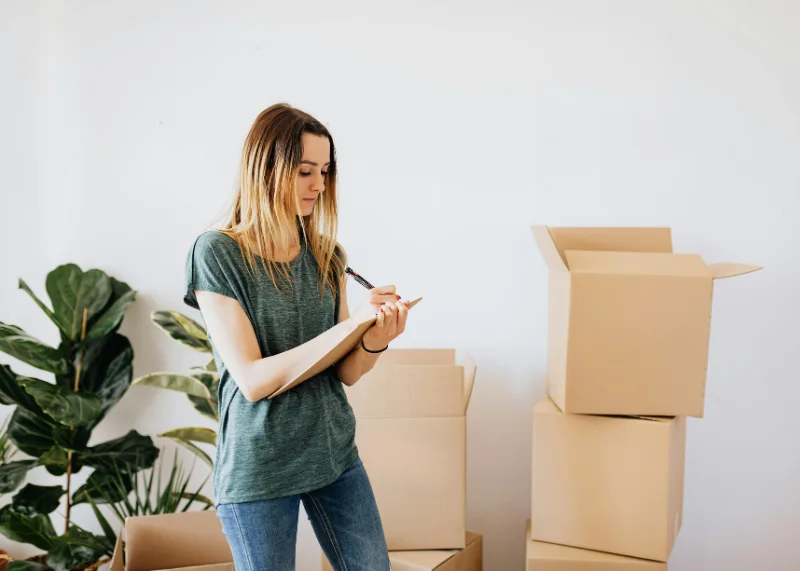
(607, 483)
(411, 435)
(468, 559)
(190, 541)
(628, 321)
(541, 556)
(345, 346)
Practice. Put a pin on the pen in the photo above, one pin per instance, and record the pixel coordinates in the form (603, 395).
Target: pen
(359, 279)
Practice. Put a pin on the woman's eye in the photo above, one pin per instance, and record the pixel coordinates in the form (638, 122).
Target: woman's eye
(325, 174)
(304, 173)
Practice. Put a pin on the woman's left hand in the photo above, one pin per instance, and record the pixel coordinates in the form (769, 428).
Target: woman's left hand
(390, 325)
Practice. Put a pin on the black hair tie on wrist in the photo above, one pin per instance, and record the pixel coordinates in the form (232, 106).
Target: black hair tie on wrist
(373, 352)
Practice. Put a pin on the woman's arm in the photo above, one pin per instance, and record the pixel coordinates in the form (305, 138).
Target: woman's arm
(390, 324)
(236, 342)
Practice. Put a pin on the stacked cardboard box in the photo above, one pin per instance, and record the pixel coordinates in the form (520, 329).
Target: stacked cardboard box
(628, 338)
(411, 435)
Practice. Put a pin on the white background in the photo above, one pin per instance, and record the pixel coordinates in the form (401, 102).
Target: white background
(458, 126)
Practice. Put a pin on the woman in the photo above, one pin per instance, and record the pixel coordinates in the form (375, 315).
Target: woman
(270, 288)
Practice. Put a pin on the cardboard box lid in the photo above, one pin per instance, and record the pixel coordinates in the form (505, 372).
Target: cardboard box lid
(414, 383)
(541, 551)
(547, 406)
(564, 248)
(171, 541)
(333, 356)
(428, 560)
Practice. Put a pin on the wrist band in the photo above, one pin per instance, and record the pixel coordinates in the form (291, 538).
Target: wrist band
(373, 352)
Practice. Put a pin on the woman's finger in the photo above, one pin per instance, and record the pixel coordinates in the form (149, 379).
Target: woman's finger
(381, 318)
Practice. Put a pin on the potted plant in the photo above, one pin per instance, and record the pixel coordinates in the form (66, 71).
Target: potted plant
(53, 421)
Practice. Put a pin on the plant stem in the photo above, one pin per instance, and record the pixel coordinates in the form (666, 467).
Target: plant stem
(76, 385)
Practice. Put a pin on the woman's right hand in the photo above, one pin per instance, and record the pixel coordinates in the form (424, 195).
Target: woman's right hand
(369, 308)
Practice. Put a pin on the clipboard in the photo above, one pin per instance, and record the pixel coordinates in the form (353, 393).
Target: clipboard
(336, 354)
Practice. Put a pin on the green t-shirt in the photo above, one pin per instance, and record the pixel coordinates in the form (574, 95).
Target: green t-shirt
(302, 439)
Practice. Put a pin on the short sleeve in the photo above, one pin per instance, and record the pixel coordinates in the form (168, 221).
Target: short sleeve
(208, 268)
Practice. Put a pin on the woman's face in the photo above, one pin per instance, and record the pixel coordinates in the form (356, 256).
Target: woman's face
(313, 170)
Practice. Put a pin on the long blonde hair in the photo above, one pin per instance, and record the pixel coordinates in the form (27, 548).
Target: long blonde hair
(262, 216)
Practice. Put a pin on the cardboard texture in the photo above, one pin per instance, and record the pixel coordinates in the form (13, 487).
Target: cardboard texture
(542, 556)
(628, 321)
(333, 356)
(411, 435)
(190, 541)
(468, 559)
(612, 484)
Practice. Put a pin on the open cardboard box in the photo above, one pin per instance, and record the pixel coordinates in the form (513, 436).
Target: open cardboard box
(607, 483)
(541, 556)
(190, 541)
(468, 559)
(411, 435)
(342, 349)
(628, 320)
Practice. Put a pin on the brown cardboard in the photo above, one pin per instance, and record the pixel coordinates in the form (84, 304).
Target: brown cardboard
(190, 541)
(612, 484)
(336, 354)
(628, 321)
(411, 435)
(541, 556)
(468, 559)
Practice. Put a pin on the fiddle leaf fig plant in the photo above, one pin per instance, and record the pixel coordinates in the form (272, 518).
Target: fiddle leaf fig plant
(53, 421)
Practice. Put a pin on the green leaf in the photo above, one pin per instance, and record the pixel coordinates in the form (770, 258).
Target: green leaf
(133, 451)
(55, 460)
(77, 548)
(33, 499)
(36, 530)
(23, 286)
(196, 450)
(15, 342)
(108, 366)
(64, 406)
(72, 290)
(192, 434)
(183, 329)
(207, 407)
(13, 474)
(30, 433)
(12, 393)
(112, 317)
(26, 566)
(182, 383)
(210, 367)
(109, 532)
(194, 497)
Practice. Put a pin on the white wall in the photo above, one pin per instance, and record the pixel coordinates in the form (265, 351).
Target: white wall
(458, 125)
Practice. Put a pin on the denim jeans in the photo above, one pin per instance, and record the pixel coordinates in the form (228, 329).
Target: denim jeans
(263, 534)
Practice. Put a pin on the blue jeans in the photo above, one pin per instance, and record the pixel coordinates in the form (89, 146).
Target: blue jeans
(263, 534)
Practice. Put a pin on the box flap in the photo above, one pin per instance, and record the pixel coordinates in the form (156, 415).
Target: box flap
(427, 560)
(632, 239)
(469, 379)
(117, 564)
(548, 249)
(402, 391)
(728, 270)
(543, 551)
(637, 263)
(170, 541)
(334, 355)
